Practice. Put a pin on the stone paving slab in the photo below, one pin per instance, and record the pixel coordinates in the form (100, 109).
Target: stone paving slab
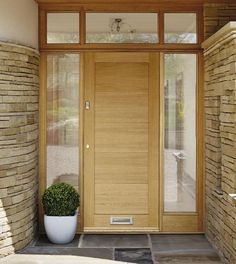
(102, 253)
(181, 244)
(187, 260)
(183, 249)
(141, 249)
(44, 242)
(115, 241)
(134, 255)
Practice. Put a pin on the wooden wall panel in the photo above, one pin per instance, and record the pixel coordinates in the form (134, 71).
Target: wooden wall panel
(180, 223)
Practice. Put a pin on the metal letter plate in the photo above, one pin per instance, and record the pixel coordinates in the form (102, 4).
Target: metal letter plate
(117, 220)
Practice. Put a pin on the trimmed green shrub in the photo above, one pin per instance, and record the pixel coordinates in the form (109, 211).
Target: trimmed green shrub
(60, 199)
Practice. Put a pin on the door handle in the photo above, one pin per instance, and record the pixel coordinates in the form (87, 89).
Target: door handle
(87, 105)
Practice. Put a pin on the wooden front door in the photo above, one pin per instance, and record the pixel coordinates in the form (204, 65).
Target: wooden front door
(121, 180)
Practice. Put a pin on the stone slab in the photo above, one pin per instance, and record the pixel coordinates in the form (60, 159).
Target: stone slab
(115, 241)
(43, 241)
(187, 260)
(181, 244)
(102, 253)
(135, 255)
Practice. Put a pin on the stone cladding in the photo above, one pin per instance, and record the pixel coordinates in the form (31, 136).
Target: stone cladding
(19, 88)
(220, 140)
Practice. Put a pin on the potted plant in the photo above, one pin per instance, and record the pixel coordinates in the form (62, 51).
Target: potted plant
(60, 203)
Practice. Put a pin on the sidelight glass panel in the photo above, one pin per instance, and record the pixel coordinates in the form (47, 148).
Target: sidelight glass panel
(63, 119)
(180, 28)
(63, 28)
(180, 133)
(121, 28)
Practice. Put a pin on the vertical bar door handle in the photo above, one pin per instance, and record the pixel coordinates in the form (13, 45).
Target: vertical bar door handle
(87, 105)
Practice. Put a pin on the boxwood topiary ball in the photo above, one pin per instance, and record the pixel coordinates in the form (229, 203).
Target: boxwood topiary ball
(60, 199)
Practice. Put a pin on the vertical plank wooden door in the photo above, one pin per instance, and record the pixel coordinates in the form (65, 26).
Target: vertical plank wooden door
(121, 142)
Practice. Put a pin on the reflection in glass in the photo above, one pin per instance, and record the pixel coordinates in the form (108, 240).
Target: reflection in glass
(180, 133)
(121, 28)
(63, 28)
(62, 119)
(180, 28)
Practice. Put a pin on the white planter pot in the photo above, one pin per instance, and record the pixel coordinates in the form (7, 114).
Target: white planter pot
(60, 229)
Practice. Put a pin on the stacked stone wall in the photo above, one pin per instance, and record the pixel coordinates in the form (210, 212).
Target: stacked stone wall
(19, 86)
(220, 144)
(216, 16)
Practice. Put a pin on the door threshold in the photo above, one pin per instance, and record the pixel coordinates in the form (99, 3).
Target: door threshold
(92, 230)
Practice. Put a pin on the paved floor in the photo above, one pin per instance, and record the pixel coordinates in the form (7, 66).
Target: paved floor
(142, 249)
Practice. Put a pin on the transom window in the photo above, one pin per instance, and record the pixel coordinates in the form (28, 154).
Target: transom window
(63, 28)
(180, 28)
(122, 28)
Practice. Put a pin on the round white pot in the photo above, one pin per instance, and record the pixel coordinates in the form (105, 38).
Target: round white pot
(60, 229)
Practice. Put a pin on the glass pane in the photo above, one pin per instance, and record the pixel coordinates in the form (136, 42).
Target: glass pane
(181, 28)
(63, 119)
(121, 28)
(63, 28)
(180, 133)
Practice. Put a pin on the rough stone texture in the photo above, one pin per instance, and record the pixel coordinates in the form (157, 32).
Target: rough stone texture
(216, 16)
(19, 86)
(134, 255)
(220, 144)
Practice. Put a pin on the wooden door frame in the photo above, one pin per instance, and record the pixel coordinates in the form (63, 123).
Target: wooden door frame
(166, 219)
(43, 137)
(128, 7)
(153, 60)
(172, 221)
(160, 47)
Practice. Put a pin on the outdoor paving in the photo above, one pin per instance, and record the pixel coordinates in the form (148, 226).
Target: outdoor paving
(141, 249)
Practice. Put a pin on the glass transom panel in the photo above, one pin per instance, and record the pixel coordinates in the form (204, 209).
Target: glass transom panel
(63, 28)
(121, 28)
(180, 28)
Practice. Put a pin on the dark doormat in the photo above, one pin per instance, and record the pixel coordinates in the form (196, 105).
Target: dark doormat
(134, 255)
